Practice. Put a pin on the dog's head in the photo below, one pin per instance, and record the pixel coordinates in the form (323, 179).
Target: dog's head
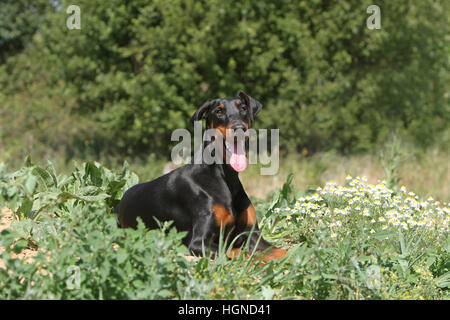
(231, 117)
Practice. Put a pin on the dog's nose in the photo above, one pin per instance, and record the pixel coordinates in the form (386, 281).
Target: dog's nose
(239, 127)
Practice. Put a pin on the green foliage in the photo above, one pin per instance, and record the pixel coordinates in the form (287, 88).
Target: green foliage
(19, 20)
(112, 263)
(143, 265)
(137, 70)
(390, 159)
(360, 243)
(81, 254)
(34, 189)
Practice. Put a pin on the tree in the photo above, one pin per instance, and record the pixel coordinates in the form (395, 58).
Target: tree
(137, 70)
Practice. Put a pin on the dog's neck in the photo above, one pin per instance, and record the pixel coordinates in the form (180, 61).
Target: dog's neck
(199, 156)
(230, 176)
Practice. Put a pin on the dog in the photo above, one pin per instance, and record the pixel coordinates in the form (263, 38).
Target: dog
(203, 198)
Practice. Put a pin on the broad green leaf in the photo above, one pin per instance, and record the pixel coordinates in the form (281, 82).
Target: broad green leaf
(444, 280)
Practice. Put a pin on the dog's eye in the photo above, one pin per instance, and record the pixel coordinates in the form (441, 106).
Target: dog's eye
(219, 112)
(244, 108)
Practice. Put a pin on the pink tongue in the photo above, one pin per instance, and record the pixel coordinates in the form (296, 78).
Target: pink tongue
(238, 161)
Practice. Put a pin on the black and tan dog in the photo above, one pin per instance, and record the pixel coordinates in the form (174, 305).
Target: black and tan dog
(200, 198)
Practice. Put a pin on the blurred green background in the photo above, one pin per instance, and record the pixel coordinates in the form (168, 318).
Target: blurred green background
(137, 70)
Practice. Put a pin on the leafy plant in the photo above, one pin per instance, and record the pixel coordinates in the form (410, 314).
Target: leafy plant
(119, 89)
(34, 190)
(74, 250)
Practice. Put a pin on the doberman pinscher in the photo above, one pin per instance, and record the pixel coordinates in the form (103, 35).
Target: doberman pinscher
(202, 198)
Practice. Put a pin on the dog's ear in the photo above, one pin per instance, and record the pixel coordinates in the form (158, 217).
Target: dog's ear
(254, 105)
(201, 112)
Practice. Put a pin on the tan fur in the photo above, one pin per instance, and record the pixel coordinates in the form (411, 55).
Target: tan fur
(248, 216)
(223, 215)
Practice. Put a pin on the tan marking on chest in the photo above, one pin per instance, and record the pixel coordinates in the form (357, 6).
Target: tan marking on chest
(223, 215)
(223, 131)
(248, 216)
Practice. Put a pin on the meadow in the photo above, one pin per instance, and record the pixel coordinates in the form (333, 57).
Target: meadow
(362, 195)
(355, 240)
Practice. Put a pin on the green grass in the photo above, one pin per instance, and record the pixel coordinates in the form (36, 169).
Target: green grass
(427, 173)
(336, 251)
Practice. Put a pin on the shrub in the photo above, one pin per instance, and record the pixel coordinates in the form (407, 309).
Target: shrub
(358, 241)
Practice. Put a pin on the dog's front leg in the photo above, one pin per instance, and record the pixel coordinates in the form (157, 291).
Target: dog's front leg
(247, 220)
(202, 240)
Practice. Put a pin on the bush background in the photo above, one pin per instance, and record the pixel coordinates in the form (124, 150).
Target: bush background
(138, 69)
(347, 100)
